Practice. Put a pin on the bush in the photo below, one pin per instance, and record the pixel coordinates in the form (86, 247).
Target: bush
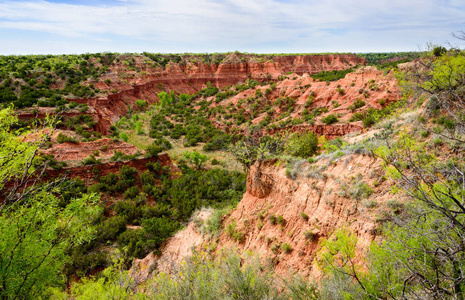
(309, 235)
(131, 193)
(195, 158)
(141, 104)
(361, 190)
(90, 160)
(302, 145)
(159, 229)
(127, 173)
(123, 136)
(286, 248)
(368, 121)
(330, 119)
(146, 178)
(153, 150)
(357, 104)
(272, 219)
(62, 138)
(304, 216)
(73, 104)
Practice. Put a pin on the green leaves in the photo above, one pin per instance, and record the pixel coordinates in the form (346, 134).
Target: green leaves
(302, 145)
(195, 158)
(34, 239)
(447, 72)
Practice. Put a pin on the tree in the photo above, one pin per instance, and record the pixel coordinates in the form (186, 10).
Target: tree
(195, 158)
(302, 145)
(257, 147)
(36, 229)
(141, 104)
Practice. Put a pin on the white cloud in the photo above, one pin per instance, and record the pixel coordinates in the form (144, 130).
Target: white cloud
(246, 25)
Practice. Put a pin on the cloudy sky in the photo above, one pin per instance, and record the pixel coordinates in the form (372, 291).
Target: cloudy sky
(261, 26)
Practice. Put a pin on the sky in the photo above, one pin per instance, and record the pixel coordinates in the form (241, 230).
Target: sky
(201, 26)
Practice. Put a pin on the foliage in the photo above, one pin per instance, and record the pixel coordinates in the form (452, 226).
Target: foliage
(195, 158)
(302, 145)
(227, 276)
(379, 58)
(217, 188)
(124, 136)
(330, 119)
(62, 138)
(37, 229)
(331, 75)
(422, 255)
(35, 237)
(141, 104)
(256, 147)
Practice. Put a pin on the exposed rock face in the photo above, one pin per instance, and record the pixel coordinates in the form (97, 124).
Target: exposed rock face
(76, 152)
(329, 131)
(186, 77)
(86, 174)
(322, 195)
(367, 84)
(313, 205)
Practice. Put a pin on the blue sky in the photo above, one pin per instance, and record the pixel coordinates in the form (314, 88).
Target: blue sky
(261, 26)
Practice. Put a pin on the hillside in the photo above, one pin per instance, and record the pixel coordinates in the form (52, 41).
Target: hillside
(336, 174)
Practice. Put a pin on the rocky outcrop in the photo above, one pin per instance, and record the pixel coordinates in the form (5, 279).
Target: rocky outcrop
(189, 77)
(124, 86)
(73, 153)
(87, 173)
(298, 206)
(313, 200)
(329, 131)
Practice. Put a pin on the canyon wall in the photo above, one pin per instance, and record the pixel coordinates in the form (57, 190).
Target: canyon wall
(312, 200)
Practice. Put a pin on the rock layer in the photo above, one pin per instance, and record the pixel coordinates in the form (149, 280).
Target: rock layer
(313, 200)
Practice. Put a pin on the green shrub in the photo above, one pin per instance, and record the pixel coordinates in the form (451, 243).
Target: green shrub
(331, 75)
(146, 178)
(304, 216)
(73, 104)
(90, 160)
(360, 190)
(62, 138)
(153, 150)
(159, 229)
(127, 173)
(302, 145)
(424, 133)
(272, 219)
(141, 104)
(368, 121)
(330, 119)
(131, 193)
(358, 103)
(124, 136)
(309, 235)
(286, 248)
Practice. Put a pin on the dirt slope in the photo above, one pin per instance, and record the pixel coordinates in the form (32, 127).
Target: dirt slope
(318, 199)
(367, 84)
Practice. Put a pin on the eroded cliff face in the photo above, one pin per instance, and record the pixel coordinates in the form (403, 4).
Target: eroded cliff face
(190, 77)
(367, 84)
(144, 80)
(307, 204)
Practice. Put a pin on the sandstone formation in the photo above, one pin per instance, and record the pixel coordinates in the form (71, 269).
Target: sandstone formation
(144, 80)
(313, 201)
